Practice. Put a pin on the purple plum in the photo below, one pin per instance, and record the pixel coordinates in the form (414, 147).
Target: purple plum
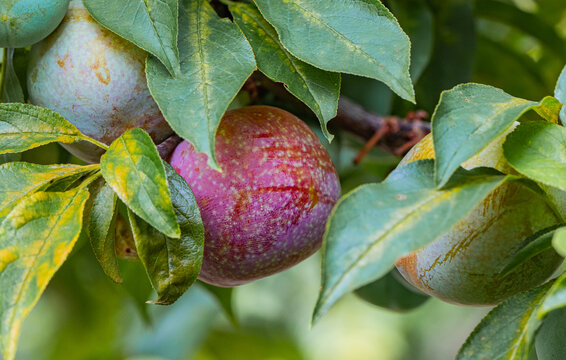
(267, 210)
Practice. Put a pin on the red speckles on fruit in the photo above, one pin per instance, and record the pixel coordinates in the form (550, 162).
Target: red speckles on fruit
(267, 210)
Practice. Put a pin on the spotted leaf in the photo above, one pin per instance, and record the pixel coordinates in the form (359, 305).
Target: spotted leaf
(24, 127)
(35, 239)
(20, 179)
(133, 169)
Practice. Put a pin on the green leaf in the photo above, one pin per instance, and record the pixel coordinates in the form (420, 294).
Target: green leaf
(507, 332)
(467, 119)
(133, 169)
(392, 292)
(538, 151)
(35, 239)
(19, 180)
(555, 298)
(224, 298)
(172, 264)
(318, 89)
(101, 222)
(354, 37)
(216, 60)
(11, 89)
(24, 127)
(150, 24)
(560, 94)
(374, 225)
(536, 244)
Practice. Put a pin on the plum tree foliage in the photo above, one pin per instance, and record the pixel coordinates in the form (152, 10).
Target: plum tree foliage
(184, 163)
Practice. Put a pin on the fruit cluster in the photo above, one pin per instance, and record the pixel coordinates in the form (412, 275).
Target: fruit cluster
(267, 209)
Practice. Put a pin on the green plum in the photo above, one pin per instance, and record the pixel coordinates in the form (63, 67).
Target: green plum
(551, 339)
(96, 80)
(463, 265)
(25, 22)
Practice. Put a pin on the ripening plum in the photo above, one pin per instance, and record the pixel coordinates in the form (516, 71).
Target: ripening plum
(25, 22)
(462, 266)
(96, 80)
(266, 211)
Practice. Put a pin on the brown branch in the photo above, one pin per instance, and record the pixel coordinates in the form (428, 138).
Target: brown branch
(400, 135)
(397, 135)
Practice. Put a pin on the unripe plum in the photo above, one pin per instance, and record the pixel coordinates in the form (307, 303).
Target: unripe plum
(550, 344)
(266, 211)
(25, 22)
(463, 265)
(96, 80)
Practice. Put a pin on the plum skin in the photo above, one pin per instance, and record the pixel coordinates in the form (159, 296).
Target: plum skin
(96, 80)
(267, 210)
(25, 22)
(549, 342)
(462, 266)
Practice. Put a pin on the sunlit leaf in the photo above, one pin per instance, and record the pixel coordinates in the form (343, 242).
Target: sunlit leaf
(354, 37)
(133, 169)
(35, 239)
(150, 24)
(20, 179)
(216, 60)
(24, 127)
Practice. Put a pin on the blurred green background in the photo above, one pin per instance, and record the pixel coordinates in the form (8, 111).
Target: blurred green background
(517, 45)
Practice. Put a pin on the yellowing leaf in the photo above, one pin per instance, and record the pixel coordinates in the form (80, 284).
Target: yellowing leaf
(133, 169)
(35, 239)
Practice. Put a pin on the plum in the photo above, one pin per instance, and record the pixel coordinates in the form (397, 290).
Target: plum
(25, 22)
(463, 265)
(266, 211)
(550, 344)
(96, 80)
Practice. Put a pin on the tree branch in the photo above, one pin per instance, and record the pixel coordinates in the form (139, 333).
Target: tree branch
(396, 134)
